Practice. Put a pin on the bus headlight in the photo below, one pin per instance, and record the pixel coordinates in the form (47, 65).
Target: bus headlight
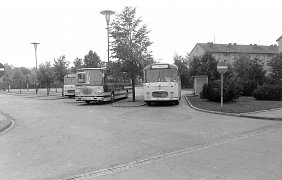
(98, 92)
(171, 94)
(148, 94)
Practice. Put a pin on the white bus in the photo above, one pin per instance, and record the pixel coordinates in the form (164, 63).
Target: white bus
(69, 85)
(161, 83)
(94, 84)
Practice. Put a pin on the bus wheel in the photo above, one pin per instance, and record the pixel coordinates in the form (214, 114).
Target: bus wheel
(126, 94)
(176, 102)
(112, 97)
(87, 102)
(148, 103)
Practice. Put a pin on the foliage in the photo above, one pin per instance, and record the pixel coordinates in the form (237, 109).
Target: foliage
(248, 73)
(130, 44)
(7, 78)
(77, 63)
(91, 60)
(45, 74)
(275, 65)
(60, 68)
(269, 92)
(18, 79)
(204, 65)
(212, 91)
(182, 64)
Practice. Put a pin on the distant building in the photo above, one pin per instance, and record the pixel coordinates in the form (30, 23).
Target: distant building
(279, 40)
(230, 52)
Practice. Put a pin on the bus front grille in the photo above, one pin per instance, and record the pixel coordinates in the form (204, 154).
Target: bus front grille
(87, 91)
(71, 91)
(160, 94)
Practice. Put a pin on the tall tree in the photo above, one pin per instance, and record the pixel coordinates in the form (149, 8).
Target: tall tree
(77, 63)
(182, 64)
(18, 79)
(45, 75)
(275, 65)
(61, 69)
(204, 65)
(130, 44)
(7, 79)
(92, 60)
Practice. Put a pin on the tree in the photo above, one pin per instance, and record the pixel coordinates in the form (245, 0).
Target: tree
(182, 65)
(45, 75)
(275, 65)
(7, 79)
(204, 65)
(77, 63)
(92, 60)
(18, 79)
(249, 73)
(61, 69)
(130, 44)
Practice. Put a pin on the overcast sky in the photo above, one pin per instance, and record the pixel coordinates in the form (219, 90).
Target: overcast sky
(73, 27)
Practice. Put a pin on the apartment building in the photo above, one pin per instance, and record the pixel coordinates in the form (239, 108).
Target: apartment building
(232, 51)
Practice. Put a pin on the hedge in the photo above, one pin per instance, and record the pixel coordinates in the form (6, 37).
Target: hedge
(268, 92)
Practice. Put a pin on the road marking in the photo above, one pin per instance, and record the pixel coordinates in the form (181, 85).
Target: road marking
(111, 170)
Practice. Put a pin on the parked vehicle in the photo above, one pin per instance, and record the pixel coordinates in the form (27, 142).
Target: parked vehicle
(69, 85)
(95, 84)
(161, 83)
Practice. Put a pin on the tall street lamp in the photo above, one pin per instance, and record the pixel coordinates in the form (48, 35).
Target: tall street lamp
(107, 14)
(35, 48)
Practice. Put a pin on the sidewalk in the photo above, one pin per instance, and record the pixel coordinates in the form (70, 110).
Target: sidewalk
(5, 122)
(128, 102)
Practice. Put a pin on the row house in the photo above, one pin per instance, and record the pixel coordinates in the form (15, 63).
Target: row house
(232, 51)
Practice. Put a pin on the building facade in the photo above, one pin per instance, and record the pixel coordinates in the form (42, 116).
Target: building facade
(230, 52)
(279, 40)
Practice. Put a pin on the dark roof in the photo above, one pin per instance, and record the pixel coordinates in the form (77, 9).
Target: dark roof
(236, 48)
(279, 38)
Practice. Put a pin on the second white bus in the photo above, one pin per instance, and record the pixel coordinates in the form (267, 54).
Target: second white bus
(161, 83)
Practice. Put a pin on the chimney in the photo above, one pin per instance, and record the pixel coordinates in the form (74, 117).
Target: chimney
(235, 44)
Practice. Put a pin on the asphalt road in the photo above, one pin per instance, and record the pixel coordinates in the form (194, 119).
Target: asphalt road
(56, 138)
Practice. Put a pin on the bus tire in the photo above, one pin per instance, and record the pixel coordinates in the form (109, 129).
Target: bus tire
(112, 97)
(148, 103)
(176, 102)
(87, 102)
(126, 94)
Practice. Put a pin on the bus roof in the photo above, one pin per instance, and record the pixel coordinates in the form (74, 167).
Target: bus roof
(161, 66)
(83, 69)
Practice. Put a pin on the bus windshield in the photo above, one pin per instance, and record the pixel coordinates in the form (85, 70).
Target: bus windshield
(69, 80)
(93, 77)
(160, 75)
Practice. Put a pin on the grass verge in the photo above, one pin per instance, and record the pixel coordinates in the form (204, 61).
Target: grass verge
(242, 105)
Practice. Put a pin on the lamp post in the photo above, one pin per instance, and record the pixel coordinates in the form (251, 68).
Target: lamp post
(108, 14)
(35, 48)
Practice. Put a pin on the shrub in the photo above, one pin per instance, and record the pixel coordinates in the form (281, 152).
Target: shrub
(248, 87)
(212, 91)
(269, 92)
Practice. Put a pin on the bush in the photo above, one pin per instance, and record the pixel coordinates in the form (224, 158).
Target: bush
(269, 92)
(211, 91)
(248, 87)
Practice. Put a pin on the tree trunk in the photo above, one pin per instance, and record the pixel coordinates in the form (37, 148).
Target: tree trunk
(133, 89)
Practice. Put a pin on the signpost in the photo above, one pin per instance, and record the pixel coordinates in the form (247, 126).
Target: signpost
(2, 72)
(221, 68)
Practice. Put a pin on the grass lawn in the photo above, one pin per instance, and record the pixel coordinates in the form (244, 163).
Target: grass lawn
(241, 105)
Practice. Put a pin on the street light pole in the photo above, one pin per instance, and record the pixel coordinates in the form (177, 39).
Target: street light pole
(108, 14)
(35, 48)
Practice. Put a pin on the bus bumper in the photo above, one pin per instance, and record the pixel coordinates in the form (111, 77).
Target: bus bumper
(92, 98)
